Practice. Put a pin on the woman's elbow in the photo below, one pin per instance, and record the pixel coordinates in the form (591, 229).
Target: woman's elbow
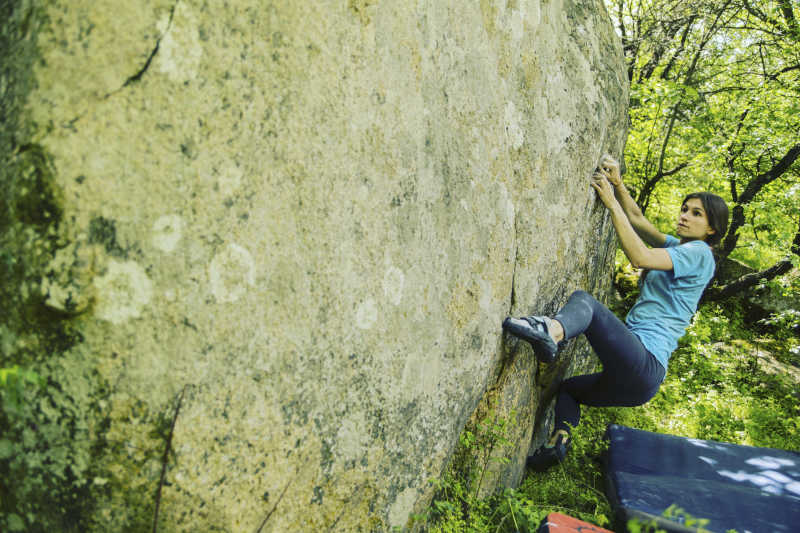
(652, 260)
(641, 260)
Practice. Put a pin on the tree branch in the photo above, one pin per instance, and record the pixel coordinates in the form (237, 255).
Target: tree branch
(643, 198)
(747, 281)
(671, 62)
(732, 156)
(788, 16)
(675, 170)
(644, 194)
(753, 188)
(783, 71)
(771, 175)
(750, 280)
(760, 15)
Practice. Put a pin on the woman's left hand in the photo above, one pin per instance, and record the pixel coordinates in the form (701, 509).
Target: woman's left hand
(603, 188)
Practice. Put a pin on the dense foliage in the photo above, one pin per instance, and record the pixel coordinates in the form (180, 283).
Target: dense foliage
(715, 105)
(715, 95)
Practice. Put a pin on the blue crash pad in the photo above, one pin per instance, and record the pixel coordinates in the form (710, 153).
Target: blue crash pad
(735, 487)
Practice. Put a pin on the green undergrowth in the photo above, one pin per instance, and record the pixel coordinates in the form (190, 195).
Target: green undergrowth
(730, 380)
(573, 487)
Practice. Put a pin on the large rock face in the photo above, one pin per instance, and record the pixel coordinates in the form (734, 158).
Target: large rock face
(260, 251)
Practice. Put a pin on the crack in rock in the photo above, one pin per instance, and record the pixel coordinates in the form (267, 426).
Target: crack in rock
(165, 457)
(70, 124)
(136, 77)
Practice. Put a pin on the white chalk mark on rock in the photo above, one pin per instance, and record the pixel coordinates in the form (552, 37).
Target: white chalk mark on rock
(167, 232)
(230, 180)
(402, 507)
(180, 50)
(514, 132)
(367, 314)
(231, 272)
(352, 437)
(122, 292)
(393, 283)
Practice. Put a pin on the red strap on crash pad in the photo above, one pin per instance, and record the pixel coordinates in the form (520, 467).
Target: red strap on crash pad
(559, 523)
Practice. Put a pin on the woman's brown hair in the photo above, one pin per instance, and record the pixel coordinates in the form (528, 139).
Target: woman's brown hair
(716, 212)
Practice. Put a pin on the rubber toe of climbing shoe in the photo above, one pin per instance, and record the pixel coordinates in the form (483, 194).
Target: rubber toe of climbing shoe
(547, 456)
(534, 330)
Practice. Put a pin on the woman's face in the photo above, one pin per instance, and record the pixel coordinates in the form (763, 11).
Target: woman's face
(693, 221)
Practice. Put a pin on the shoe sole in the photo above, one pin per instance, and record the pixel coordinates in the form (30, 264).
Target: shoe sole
(544, 458)
(544, 351)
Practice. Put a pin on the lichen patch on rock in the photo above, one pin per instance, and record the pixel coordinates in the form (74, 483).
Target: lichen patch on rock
(122, 292)
(231, 272)
(167, 232)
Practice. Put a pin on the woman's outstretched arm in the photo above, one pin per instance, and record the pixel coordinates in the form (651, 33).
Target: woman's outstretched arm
(609, 167)
(634, 247)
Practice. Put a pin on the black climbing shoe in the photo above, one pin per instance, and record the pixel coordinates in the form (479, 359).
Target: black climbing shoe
(534, 330)
(547, 456)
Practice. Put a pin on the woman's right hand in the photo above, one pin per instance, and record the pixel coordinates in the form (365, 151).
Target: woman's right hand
(609, 167)
(604, 189)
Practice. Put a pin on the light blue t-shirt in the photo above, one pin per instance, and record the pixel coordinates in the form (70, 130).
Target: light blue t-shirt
(668, 298)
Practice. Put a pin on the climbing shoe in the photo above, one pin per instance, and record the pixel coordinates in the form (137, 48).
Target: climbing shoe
(547, 456)
(534, 330)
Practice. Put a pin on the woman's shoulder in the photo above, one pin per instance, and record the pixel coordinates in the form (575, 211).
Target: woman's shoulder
(672, 241)
(694, 245)
(692, 259)
(698, 245)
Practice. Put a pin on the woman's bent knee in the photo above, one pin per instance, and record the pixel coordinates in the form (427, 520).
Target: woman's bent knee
(580, 294)
(584, 298)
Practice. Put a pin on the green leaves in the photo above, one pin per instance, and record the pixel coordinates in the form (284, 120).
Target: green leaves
(13, 382)
(458, 505)
(15, 523)
(44, 453)
(715, 94)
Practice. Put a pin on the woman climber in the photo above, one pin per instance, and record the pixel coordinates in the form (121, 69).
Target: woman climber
(634, 354)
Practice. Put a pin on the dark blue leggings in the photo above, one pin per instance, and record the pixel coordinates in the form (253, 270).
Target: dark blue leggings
(631, 375)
